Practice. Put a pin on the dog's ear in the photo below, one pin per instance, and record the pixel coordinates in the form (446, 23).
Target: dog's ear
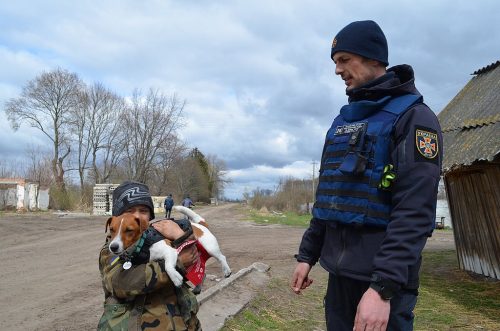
(108, 222)
(143, 225)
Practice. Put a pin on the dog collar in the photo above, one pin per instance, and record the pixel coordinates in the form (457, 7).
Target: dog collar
(140, 243)
(128, 255)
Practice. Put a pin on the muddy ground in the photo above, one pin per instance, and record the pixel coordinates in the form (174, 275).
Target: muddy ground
(49, 276)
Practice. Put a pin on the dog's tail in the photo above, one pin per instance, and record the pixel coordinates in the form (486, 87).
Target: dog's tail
(193, 217)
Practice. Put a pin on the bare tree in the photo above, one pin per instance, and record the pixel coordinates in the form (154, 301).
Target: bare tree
(108, 139)
(217, 172)
(169, 155)
(150, 122)
(81, 132)
(97, 133)
(10, 169)
(38, 169)
(45, 104)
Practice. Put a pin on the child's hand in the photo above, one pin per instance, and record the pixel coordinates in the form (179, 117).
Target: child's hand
(169, 229)
(188, 255)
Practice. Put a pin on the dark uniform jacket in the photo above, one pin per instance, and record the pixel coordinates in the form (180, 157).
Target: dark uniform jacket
(168, 203)
(393, 253)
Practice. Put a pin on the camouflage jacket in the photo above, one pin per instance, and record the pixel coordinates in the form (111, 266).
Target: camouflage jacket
(143, 298)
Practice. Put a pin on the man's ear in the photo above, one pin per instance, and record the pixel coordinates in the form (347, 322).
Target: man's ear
(108, 222)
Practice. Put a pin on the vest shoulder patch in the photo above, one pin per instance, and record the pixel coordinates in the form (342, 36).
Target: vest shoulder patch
(426, 144)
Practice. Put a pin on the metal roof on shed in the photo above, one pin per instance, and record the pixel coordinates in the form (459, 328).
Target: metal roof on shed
(471, 121)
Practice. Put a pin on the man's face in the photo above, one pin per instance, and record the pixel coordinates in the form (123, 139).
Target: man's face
(141, 212)
(354, 70)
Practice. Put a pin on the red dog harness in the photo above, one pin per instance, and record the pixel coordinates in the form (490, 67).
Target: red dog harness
(195, 272)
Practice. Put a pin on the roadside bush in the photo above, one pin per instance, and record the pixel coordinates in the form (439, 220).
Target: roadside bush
(292, 195)
(9, 208)
(86, 198)
(63, 200)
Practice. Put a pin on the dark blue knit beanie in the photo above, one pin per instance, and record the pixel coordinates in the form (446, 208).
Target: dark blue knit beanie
(129, 194)
(364, 38)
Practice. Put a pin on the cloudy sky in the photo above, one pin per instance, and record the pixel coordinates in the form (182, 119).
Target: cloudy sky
(257, 75)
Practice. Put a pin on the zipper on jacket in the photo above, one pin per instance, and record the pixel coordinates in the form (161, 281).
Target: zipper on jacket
(341, 255)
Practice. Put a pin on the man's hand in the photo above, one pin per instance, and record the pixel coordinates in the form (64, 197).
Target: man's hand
(300, 279)
(373, 312)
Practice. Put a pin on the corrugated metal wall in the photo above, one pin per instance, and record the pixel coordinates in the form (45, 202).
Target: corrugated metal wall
(474, 201)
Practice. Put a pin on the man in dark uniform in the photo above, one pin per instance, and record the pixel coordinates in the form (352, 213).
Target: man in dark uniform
(376, 197)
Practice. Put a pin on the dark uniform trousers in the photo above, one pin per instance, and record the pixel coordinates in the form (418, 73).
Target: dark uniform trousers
(342, 298)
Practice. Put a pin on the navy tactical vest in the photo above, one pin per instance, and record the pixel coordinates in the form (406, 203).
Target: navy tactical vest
(355, 153)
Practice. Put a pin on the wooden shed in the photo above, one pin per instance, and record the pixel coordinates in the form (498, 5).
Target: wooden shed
(471, 166)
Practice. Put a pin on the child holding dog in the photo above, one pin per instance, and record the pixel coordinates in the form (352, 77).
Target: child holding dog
(142, 297)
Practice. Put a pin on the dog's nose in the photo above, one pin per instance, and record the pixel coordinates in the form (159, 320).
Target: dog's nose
(114, 247)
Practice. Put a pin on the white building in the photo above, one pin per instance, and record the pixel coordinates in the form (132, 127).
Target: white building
(22, 194)
(443, 217)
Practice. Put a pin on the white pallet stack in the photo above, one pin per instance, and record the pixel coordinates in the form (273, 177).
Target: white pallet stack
(103, 199)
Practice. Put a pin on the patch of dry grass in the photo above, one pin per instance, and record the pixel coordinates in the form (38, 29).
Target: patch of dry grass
(449, 299)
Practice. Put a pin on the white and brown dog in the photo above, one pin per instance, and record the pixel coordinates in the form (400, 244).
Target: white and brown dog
(125, 230)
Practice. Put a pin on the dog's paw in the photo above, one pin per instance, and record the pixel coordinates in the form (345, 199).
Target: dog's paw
(175, 277)
(227, 273)
(178, 280)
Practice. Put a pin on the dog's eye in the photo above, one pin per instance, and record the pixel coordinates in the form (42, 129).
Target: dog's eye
(129, 230)
(111, 230)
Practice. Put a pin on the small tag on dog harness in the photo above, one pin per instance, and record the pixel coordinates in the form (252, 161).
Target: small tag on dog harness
(127, 265)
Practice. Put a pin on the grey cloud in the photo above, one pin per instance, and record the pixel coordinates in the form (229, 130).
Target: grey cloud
(249, 70)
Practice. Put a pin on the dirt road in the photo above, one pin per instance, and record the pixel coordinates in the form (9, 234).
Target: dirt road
(49, 277)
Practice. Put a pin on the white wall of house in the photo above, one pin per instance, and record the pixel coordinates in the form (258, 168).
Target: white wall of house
(23, 195)
(442, 210)
(43, 199)
(20, 197)
(30, 200)
(8, 197)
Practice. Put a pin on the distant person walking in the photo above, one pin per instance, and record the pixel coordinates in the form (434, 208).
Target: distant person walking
(168, 204)
(187, 202)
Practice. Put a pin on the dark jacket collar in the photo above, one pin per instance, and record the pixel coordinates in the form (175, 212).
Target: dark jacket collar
(396, 81)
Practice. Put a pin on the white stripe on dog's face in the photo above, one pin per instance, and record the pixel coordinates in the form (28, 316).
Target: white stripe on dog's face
(118, 240)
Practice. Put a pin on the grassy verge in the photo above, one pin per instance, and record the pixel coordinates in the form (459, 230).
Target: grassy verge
(278, 308)
(449, 299)
(285, 218)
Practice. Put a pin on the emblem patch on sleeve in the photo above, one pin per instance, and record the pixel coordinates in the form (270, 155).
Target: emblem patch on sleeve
(426, 141)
